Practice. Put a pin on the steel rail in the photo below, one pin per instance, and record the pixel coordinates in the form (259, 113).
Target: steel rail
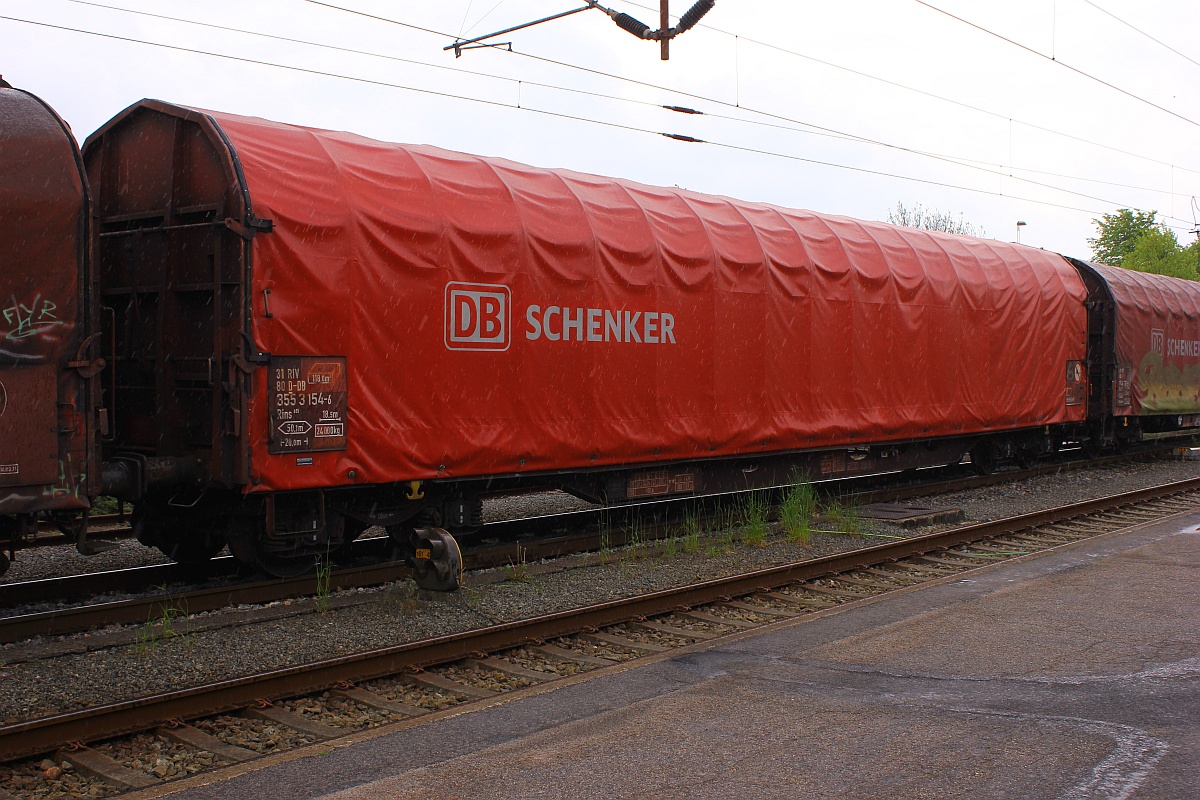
(41, 735)
(75, 619)
(139, 610)
(113, 528)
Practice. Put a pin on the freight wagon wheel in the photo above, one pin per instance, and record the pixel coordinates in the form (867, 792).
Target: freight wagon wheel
(983, 458)
(200, 549)
(344, 554)
(279, 559)
(9, 538)
(194, 542)
(183, 540)
(434, 556)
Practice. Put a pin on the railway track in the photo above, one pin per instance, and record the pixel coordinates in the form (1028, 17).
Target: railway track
(414, 679)
(522, 539)
(115, 526)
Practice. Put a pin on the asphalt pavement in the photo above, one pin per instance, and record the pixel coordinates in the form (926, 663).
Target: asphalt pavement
(1071, 674)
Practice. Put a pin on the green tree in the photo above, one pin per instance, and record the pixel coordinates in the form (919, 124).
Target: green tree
(1118, 233)
(1137, 240)
(932, 220)
(1158, 251)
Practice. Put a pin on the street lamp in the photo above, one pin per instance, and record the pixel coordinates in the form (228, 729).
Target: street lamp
(1020, 224)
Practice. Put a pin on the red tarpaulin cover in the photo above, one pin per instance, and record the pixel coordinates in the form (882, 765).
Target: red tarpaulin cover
(496, 318)
(1158, 334)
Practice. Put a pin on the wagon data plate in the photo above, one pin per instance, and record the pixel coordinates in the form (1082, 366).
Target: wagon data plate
(306, 397)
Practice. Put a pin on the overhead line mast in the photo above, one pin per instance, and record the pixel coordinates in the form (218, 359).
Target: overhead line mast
(625, 22)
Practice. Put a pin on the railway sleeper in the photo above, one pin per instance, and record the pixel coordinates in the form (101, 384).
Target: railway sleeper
(1137, 512)
(198, 739)
(1171, 504)
(764, 610)
(915, 564)
(998, 547)
(714, 619)
(958, 562)
(563, 654)
(97, 765)
(903, 577)
(1085, 523)
(989, 555)
(1036, 544)
(508, 668)
(1121, 520)
(840, 595)
(662, 627)
(810, 602)
(431, 680)
(603, 637)
(367, 698)
(1048, 538)
(868, 584)
(296, 722)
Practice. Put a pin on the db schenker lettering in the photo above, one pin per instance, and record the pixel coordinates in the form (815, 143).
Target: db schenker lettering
(1187, 348)
(599, 325)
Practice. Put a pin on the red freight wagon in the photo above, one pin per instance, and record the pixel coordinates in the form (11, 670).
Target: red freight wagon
(46, 454)
(309, 311)
(1152, 325)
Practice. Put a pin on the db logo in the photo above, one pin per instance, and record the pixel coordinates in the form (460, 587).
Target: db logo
(477, 316)
(1158, 341)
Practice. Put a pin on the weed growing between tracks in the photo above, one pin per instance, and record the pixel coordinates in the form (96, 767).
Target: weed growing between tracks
(637, 539)
(158, 630)
(324, 582)
(606, 550)
(754, 511)
(795, 513)
(844, 517)
(691, 533)
(518, 570)
(670, 547)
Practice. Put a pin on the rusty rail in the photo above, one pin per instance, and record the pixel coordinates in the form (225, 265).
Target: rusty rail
(138, 610)
(41, 735)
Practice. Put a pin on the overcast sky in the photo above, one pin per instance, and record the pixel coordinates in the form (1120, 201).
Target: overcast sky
(957, 118)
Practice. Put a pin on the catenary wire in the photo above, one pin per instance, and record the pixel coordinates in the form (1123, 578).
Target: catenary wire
(692, 95)
(884, 81)
(1061, 63)
(778, 48)
(1136, 29)
(809, 128)
(560, 115)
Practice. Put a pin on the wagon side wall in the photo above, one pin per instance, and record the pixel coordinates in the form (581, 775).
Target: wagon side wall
(430, 314)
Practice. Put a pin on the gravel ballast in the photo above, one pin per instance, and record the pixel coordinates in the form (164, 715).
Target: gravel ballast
(35, 687)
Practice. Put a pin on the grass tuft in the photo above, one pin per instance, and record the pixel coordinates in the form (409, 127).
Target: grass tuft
(844, 516)
(691, 533)
(160, 629)
(324, 584)
(797, 509)
(754, 512)
(518, 571)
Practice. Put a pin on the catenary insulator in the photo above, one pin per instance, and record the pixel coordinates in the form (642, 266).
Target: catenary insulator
(636, 27)
(693, 15)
